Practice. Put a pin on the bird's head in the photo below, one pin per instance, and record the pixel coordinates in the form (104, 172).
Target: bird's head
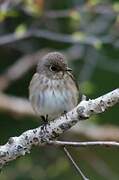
(53, 65)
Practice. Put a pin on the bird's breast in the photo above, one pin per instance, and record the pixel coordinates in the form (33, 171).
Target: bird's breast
(53, 98)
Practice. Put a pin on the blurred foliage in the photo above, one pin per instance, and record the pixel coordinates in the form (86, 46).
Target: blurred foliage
(94, 26)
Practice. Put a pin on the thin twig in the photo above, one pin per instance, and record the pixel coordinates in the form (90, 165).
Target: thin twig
(74, 164)
(85, 144)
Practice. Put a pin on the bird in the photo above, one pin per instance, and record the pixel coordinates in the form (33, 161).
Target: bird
(53, 89)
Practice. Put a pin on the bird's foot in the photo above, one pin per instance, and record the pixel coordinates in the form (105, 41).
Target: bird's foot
(65, 114)
(45, 123)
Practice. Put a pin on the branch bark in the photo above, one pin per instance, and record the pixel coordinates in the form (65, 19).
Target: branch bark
(17, 146)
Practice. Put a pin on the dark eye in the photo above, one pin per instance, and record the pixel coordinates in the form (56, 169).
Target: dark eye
(53, 68)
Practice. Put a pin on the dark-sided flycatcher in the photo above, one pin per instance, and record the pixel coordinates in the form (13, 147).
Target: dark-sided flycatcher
(53, 89)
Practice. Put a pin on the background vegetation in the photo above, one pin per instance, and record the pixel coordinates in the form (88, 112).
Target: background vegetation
(87, 32)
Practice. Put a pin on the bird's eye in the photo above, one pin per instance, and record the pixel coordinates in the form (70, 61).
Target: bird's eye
(53, 68)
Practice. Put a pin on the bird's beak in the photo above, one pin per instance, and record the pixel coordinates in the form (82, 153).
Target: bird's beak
(68, 69)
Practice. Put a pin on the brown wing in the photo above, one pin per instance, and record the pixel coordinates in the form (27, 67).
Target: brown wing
(76, 84)
(74, 79)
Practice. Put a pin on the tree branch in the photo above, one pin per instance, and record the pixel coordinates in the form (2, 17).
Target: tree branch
(22, 107)
(85, 144)
(12, 104)
(96, 132)
(54, 36)
(17, 146)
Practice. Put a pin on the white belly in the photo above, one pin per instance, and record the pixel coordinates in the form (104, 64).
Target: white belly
(55, 103)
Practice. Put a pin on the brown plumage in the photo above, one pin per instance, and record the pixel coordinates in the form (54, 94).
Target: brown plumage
(53, 89)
